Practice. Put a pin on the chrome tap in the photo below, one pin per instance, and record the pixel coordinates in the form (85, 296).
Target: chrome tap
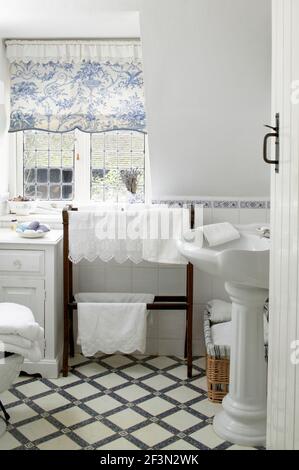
(264, 232)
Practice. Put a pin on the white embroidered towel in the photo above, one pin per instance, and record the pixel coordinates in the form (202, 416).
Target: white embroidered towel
(111, 327)
(106, 234)
(217, 234)
(162, 229)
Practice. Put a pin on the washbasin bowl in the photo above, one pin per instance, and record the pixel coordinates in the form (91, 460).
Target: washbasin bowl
(242, 261)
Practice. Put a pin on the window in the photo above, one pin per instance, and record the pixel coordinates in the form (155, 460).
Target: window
(48, 165)
(111, 153)
(79, 166)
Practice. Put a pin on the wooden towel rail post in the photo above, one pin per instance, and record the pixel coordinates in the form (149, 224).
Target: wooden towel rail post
(164, 302)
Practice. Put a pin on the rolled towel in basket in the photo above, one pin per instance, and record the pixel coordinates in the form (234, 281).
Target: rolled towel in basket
(221, 333)
(219, 311)
(217, 234)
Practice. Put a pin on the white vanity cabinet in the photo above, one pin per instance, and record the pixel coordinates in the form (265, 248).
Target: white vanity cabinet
(31, 274)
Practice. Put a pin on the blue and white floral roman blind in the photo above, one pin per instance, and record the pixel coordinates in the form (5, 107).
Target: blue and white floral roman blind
(93, 86)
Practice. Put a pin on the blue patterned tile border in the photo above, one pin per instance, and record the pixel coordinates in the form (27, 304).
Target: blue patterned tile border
(253, 204)
(216, 204)
(226, 204)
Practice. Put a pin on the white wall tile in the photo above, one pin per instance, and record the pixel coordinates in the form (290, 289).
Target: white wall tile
(118, 279)
(250, 216)
(203, 216)
(199, 348)
(207, 216)
(172, 281)
(145, 280)
(153, 324)
(172, 324)
(202, 287)
(152, 346)
(225, 215)
(171, 347)
(91, 279)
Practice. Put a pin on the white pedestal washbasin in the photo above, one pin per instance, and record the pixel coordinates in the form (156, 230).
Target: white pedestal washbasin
(244, 265)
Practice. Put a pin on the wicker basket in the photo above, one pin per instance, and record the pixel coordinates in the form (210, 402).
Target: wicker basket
(217, 371)
(217, 362)
(217, 365)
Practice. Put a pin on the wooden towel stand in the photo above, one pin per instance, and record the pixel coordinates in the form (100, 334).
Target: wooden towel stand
(165, 302)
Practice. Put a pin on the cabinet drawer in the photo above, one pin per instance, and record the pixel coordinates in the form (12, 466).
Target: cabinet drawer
(22, 261)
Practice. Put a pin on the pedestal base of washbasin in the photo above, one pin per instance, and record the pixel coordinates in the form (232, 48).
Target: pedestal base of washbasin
(243, 419)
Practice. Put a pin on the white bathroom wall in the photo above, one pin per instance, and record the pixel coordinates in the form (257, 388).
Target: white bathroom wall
(207, 70)
(4, 111)
(166, 329)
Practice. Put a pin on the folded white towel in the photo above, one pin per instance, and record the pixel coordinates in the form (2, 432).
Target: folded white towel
(221, 334)
(18, 320)
(34, 354)
(217, 234)
(111, 327)
(219, 311)
(16, 340)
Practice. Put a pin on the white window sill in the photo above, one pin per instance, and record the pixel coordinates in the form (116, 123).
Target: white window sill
(44, 217)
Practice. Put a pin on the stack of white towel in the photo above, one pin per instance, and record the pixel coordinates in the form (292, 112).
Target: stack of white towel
(19, 332)
(220, 314)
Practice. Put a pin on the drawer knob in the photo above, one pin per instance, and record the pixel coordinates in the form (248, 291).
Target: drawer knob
(17, 263)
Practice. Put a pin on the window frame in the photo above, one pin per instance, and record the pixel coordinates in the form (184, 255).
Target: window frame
(82, 183)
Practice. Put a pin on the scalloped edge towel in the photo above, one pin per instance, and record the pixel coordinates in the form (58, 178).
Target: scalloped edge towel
(110, 322)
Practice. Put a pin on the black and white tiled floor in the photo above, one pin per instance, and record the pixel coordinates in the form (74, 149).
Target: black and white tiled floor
(114, 402)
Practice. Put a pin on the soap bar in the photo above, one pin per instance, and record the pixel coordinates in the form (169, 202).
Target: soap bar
(43, 228)
(33, 225)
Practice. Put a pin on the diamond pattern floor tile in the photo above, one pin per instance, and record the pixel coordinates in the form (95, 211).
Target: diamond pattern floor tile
(51, 402)
(179, 445)
(111, 380)
(126, 419)
(156, 406)
(71, 416)
(20, 413)
(158, 382)
(113, 402)
(119, 444)
(37, 429)
(103, 404)
(59, 443)
(182, 420)
(152, 434)
(94, 432)
(33, 388)
(132, 392)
